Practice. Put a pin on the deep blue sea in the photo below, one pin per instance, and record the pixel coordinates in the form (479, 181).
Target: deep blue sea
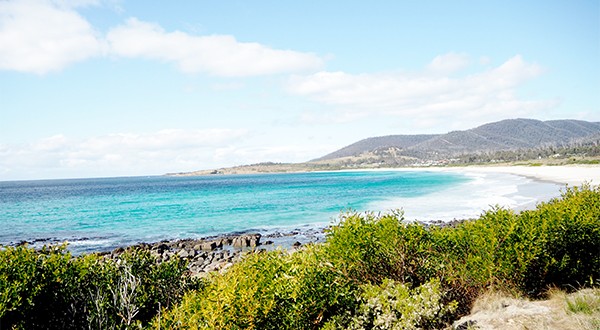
(100, 214)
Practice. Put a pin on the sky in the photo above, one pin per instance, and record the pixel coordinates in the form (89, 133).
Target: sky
(101, 88)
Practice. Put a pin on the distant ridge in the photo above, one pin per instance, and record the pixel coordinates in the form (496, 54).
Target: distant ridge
(512, 140)
(370, 144)
(509, 134)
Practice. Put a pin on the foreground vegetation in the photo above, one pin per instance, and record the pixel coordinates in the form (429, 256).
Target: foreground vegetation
(375, 271)
(50, 289)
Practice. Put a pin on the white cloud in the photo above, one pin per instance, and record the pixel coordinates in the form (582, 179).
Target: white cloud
(116, 154)
(448, 63)
(52, 143)
(220, 55)
(171, 139)
(42, 36)
(487, 95)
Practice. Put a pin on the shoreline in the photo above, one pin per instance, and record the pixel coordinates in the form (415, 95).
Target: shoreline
(216, 253)
(525, 194)
(572, 175)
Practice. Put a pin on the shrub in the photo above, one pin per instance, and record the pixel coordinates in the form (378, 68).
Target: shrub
(274, 290)
(572, 224)
(370, 248)
(393, 305)
(556, 244)
(50, 289)
(34, 287)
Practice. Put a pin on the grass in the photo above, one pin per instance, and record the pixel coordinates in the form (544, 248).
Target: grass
(586, 301)
(561, 311)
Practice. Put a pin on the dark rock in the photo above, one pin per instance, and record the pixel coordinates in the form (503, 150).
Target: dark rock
(297, 244)
(268, 243)
(160, 248)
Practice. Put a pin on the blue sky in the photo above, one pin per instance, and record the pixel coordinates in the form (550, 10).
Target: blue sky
(93, 88)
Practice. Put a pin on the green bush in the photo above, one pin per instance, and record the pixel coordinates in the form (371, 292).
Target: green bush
(33, 286)
(557, 244)
(393, 305)
(569, 227)
(370, 248)
(50, 289)
(274, 290)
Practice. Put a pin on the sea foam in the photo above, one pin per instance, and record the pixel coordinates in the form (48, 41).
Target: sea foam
(470, 199)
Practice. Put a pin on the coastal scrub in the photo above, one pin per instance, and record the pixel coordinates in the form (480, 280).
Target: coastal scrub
(375, 271)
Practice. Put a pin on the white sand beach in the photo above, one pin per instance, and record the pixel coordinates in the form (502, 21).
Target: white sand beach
(515, 187)
(573, 175)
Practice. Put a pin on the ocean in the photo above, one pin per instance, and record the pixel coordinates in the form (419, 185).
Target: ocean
(101, 214)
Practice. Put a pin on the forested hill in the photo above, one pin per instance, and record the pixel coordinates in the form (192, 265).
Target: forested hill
(512, 140)
(510, 134)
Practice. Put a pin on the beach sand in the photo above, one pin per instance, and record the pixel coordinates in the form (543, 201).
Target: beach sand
(573, 175)
(515, 187)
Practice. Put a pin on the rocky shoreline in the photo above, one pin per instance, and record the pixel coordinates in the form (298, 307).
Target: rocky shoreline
(218, 253)
(203, 255)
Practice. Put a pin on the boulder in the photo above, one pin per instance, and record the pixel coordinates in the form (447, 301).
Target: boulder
(250, 240)
(239, 242)
(160, 248)
(209, 246)
(255, 240)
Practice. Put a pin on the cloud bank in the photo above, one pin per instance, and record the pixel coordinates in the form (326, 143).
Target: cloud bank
(43, 36)
(220, 55)
(40, 36)
(116, 154)
(127, 154)
(431, 93)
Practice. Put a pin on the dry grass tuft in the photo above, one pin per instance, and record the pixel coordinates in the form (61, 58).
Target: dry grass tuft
(562, 311)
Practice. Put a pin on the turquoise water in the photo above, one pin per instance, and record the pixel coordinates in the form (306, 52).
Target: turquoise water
(99, 214)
